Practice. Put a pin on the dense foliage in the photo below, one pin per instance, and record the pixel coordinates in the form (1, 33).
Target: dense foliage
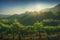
(14, 30)
(43, 25)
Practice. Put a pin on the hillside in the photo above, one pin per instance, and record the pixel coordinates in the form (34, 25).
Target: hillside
(42, 25)
(29, 18)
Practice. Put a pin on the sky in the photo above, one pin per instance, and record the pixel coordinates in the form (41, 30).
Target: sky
(10, 7)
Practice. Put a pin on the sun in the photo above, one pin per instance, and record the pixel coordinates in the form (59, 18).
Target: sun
(37, 7)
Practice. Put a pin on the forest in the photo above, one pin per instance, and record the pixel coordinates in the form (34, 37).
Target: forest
(44, 25)
(44, 30)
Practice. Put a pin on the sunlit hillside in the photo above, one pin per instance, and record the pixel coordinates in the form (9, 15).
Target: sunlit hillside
(29, 20)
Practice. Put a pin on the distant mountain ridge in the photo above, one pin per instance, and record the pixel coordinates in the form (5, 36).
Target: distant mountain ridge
(4, 16)
(29, 18)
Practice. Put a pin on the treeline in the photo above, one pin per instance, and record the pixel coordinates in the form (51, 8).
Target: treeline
(45, 30)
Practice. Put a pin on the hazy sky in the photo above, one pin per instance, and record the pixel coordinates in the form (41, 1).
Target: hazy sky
(20, 6)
